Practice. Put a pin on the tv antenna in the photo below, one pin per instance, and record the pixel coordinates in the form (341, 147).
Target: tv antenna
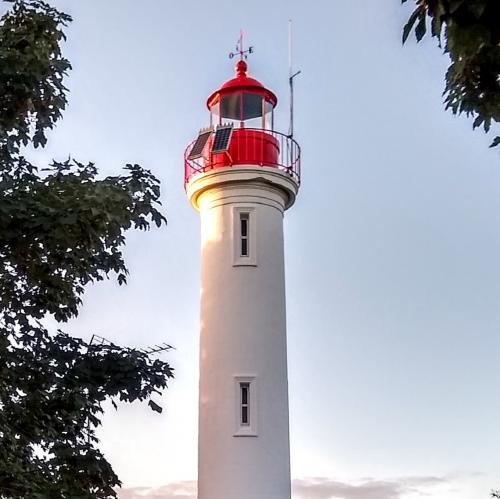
(99, 340)
(291, 76)
(240, 49)
(163, 347)
(151, 350)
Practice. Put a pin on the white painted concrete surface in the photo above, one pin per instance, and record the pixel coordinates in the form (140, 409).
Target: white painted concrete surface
(243, 334)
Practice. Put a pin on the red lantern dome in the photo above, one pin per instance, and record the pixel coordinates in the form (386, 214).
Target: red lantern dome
(241, 131)
(243, 85)
(241, 99)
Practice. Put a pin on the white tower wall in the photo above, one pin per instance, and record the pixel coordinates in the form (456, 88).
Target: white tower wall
(243, 334)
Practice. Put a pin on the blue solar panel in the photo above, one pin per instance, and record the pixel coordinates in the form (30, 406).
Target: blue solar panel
(199, 145)
(222, 138)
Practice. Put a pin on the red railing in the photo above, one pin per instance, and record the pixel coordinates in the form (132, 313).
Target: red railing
(248, 146)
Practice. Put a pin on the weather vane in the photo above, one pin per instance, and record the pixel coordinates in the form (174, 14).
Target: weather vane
(239, 49)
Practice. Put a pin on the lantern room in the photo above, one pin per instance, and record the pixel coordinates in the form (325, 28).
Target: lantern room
(241, 131)
(243, 102)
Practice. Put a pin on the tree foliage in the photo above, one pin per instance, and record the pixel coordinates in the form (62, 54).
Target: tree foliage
(61, 227)
(51, 392)
(469, 32)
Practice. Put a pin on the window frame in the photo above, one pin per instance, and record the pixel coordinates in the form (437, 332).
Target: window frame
(248, 429)
(245, 407)
(239, 259)
(244, 235)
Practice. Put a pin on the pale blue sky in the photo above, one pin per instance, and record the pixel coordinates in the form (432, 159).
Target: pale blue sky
(392, 249)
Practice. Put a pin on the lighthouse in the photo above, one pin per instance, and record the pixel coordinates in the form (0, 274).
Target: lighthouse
(241, 175)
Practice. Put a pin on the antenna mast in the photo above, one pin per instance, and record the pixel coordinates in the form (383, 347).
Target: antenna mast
(291, 76)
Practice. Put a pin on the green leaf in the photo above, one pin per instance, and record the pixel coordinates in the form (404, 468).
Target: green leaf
(454, 5)
(436, 26)
(477, 9)
(421, 27)
(409, 25)
(496, 142)
(155, 406)
(477, 122)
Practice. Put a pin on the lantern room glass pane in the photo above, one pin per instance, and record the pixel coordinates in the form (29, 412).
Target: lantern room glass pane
(215, 115)
(268, 116)
(252, 106)
(241, 106)
(230, 107)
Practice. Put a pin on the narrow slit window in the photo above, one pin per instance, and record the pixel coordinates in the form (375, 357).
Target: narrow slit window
(245, 404)
(244, 231)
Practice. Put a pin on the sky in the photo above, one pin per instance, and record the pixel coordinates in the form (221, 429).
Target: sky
(392, 248)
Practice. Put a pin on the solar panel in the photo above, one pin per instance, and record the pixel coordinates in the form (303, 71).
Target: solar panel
(221, 139)
(199, 145)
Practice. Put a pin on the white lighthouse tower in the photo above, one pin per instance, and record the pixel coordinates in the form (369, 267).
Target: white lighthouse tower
(241, 175)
